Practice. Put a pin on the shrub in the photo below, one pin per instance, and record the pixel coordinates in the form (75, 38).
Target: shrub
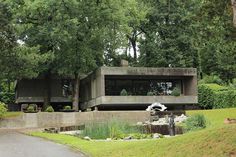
(211, 79)
(225, 99)
(111, 129)
(67, 108)
(3, 109)
(123, 92)
(49, 109)
(197, 121)
(205, 96)
(216, 87)
(176, 92)
(216, 96)
(7, 97)
(150, 93)
(31, 108)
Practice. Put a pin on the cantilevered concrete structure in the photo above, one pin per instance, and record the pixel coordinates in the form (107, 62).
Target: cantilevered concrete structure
(101, 89)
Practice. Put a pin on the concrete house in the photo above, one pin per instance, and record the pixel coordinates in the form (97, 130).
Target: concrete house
(102, 88)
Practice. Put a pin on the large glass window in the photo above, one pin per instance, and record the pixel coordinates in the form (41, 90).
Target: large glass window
(141, 87)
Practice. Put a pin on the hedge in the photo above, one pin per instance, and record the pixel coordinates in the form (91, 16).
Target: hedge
(216, 96)
(225, 99)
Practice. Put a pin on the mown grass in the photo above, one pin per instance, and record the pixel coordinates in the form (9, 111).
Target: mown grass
(217, 140)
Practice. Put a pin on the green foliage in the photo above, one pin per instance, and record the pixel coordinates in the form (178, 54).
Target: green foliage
(67, 108)
(166, 41)
(150, 93)
(111, 129)
(49, 109)
(31, 108)
(7, 97)
(123, 92)
(3, 109)
(216, 96)
(225, 99)
(211, 79)
(176, 92)
(205, 96)
(197, 121)
(216, 87)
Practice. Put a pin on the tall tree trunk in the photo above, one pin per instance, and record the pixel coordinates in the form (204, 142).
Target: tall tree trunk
(76, 92)
(234, 11)
(133, 43)
(47, 90)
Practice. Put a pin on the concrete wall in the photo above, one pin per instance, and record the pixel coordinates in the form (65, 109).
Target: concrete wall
(58, 119)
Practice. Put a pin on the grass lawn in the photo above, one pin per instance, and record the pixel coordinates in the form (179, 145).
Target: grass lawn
(217, 140)
(12, 114)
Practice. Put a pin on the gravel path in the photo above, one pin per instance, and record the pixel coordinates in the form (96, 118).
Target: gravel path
(13, 144)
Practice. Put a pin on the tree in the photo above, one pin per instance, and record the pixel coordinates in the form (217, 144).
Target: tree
(215, 39)
(75, 32)
(168, 35)
(16, 61)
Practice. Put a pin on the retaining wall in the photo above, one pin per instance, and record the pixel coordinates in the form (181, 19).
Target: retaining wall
(58, 119)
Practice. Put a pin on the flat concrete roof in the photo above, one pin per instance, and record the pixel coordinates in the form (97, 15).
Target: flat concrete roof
(147, 71)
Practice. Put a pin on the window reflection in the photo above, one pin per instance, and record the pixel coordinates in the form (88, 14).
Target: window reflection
(141, 87)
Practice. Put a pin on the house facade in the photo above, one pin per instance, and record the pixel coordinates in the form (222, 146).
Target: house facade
(34, 91)
(102, 89)
(143, 86)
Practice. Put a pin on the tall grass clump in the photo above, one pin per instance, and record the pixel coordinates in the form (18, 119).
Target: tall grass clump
(112, 129)
(195, 122)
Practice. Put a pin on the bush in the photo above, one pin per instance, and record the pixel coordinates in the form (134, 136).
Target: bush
(67, 108)
(216, 96)
(211, 79)
(111, 129)
(225, 99)
(7, 97)
(30, 109)
(150, 93)
(205, 97)
(123, 92)
(49, 109)
(3, 109)
(195, 122)
(176, 92)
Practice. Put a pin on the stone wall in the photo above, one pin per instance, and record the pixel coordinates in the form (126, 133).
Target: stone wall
(59, 119)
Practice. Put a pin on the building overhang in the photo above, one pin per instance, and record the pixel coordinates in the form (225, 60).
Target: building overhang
(141, 100)
(41, 99)
(147, 71)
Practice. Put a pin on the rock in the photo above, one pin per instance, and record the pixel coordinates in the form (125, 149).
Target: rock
(154, 118)
(180, 119)
(75, 132)
(87, 138)
(128, 138)
(229, 121)
(139, 123)
(156, 135)
(51, 130)
(108, 139)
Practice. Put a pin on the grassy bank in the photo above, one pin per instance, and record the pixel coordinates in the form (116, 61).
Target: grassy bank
(217, 140)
